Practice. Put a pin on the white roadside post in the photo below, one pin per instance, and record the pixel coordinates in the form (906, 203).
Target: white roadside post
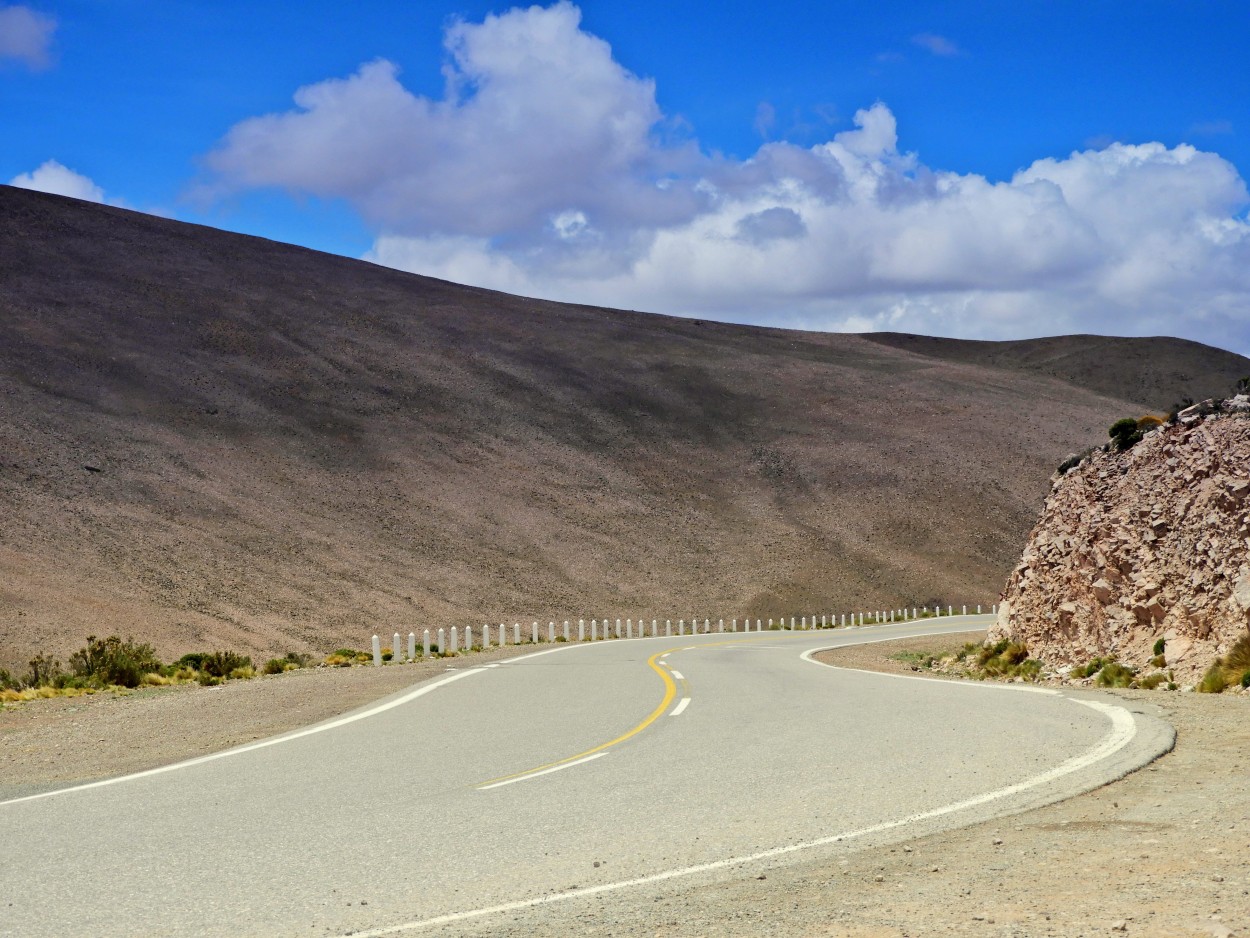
(581, 630)
(566, 630)
(594, 629)
(486, 636)
(668, 628)
(412, 646)
(377, 652)
(629, 628)
(950, 610)
(618, 628)
(551, 633)
(455, 634)
(978, 608)
(442, 643)
(735, 625)
(397, 652)
(425, 644)
(965, 612)
(720, 626)
(655, 628)
(534, 634)
(516, 633)
(681, 626)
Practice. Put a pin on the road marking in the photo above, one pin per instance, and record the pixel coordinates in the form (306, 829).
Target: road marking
(677, 676)
(554, 768)
(263, 744)
(681, 705)
(1123, 730)
(670, 691)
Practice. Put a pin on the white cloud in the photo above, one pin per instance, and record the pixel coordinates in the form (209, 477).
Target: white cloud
(26, 35)
(938, 45)
(546, 169)
(59, 180)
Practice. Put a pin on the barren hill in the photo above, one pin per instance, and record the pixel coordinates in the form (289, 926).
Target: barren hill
(210, 440)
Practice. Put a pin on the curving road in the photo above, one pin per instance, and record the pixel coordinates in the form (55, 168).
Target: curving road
(572, 771)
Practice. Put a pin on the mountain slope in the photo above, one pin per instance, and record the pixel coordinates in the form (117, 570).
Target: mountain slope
(208, 439)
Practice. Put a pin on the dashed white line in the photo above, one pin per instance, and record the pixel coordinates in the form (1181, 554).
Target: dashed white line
(677, 675)
(682, 705)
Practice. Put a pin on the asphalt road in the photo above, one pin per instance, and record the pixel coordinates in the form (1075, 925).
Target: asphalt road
(576, 770)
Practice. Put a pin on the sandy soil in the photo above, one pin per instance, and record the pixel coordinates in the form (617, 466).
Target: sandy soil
(1159, 853)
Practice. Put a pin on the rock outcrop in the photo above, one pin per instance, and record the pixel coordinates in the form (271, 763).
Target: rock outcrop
(1139, 545)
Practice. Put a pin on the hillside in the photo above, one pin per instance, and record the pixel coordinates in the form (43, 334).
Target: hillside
(1156, 372)
(208, 439)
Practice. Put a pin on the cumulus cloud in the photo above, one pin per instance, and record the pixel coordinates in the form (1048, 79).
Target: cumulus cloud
(26, 36)
(59, 180)
(548, 169)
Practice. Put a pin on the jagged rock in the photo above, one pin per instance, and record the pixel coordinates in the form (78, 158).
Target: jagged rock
(1133, 546)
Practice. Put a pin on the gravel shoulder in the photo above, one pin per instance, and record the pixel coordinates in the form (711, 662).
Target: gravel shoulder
(1159, 853)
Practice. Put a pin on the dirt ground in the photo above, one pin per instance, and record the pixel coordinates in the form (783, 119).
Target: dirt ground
(1163, 852)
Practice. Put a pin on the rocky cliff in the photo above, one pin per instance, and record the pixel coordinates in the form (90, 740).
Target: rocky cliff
(1149, 543)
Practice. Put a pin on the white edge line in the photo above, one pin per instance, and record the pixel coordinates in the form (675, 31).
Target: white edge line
(262, 744)
(682, 705)
(554, 768)
(1123, 730)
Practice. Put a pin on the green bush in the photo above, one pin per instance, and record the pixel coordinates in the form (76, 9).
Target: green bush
(1091, 667)
(105, 661)
(44, 672)
(275, 666)
(8, 681)
(1151, 682)
(1245, 679)
(1115, 675)
(192, 660)
(1124, 434)
(1160, 645)
(221, 663)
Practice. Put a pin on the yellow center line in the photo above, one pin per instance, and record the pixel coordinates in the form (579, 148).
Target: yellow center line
(670, 692)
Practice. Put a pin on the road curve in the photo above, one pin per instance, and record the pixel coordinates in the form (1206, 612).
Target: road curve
(551, 777)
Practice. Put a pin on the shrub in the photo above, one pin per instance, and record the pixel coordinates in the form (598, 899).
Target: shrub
(245, 673)
(112, 661)
(1160, 644)
(1151, 682)
(221, 663)
(1158, 661)
(346, 653)
(297, 658)
(388, 654)
(1115, 675)
(192, 660)
(44, 672)
(1149, 422)
(275, 666)
(1091, 667)
(1124, 434)
(1213, 682)
(1245, 679)
(8, 681)
(339, 661)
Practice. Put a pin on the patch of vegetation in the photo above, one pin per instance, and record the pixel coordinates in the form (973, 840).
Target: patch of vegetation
(1124, 434)
(1007, 659)
(1229, 669)
(105, 661)
(1160, 645)
(1114, 674)
(917, 659)
(1152, 681)
(1092, 667)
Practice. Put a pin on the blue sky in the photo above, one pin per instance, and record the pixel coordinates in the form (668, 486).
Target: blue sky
(960, 168)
